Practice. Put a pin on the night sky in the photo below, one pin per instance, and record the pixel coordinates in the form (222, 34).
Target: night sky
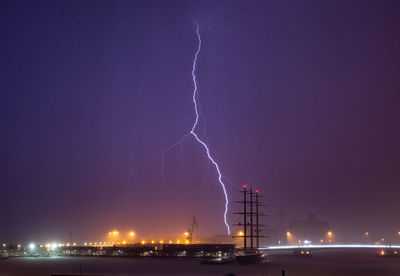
(300, 100)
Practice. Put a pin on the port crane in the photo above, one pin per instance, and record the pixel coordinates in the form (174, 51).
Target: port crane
(192, 226)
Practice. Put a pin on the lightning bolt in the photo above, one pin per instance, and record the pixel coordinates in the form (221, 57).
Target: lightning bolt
(193, 133)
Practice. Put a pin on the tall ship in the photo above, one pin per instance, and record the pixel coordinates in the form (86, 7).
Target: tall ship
(250, 228)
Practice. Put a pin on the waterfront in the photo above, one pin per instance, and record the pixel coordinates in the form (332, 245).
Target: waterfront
(324, 262)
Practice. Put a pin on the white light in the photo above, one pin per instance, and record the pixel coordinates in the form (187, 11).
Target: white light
(32, 246)
(53, 246)
(331, 246)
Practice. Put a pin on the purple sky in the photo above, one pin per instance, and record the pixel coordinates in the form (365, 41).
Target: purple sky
(301, 100)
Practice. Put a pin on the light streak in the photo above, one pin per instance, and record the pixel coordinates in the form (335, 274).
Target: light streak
(330, 246)
(193, 133)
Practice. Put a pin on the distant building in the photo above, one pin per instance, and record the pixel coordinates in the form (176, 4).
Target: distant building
(309, 231)
(274, 236)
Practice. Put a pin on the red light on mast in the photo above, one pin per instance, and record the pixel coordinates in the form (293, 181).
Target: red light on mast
(245, 186)
(256, 191)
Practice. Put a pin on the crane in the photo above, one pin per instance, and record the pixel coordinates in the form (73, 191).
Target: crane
(189, 233)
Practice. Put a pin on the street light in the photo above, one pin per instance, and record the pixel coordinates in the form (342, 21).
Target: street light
(289, 238)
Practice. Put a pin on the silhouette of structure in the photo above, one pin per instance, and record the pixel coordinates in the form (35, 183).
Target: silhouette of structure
(251, 227)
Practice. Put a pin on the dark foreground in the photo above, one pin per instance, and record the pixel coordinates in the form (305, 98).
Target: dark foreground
(332, 262)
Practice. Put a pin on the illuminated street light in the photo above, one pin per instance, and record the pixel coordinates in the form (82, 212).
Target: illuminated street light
(288, 234)
(143, 242)
(330, 234)
(131, 233)
(186, 233)
(32, 246)
(241, 233)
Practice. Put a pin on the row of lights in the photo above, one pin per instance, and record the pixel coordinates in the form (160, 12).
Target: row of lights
(367, 234)
(329, 234)
(115, 235)
(125, 242)
(49, 246)
(111, 234)
(53, 246)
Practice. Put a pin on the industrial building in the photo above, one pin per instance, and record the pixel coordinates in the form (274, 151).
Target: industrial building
(309, 231)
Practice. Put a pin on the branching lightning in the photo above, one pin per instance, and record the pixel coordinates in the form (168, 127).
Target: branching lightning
(193, 133)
